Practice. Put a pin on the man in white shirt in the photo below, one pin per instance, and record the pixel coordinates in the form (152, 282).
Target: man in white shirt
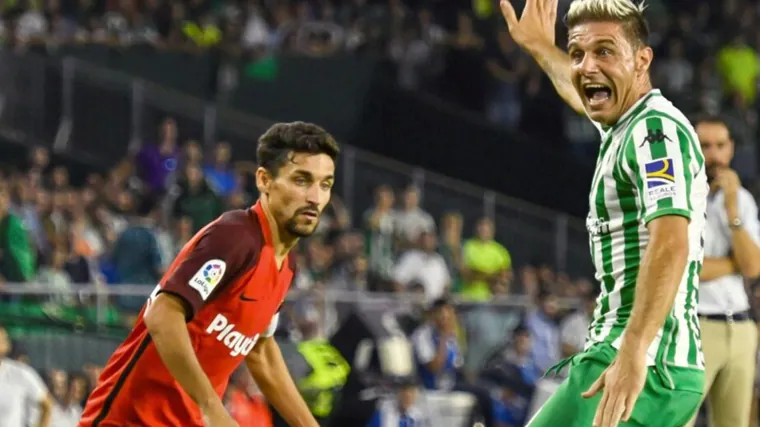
(425, 266)
(573, 329)
(412, 220)
(732, 253)
(21, 390)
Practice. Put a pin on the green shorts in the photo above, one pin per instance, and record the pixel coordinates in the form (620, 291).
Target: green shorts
(657, 405)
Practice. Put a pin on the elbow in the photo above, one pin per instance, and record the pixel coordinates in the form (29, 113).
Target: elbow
(166, 311)
(258, 360)
(751, 271)
(152, 323)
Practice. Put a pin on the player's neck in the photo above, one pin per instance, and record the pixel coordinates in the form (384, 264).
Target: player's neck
(282, 241)
(637, 95)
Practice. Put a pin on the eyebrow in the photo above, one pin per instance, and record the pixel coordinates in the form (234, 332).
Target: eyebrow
(306, 173)
(605, 40)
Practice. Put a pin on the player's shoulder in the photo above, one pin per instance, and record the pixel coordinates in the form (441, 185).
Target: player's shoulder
(240, 227)
(746, 197)
(20, 369)
(659, 111)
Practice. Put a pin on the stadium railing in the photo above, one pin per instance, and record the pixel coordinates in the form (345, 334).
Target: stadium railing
(85, 324)
(103, 115)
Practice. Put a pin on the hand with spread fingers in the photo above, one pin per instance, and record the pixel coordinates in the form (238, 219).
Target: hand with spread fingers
(535, 26)
(620, 384)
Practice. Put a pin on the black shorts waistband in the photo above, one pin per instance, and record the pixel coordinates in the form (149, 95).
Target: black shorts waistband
(734, 317)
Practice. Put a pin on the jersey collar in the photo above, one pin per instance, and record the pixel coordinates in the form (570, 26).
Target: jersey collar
(263, 221)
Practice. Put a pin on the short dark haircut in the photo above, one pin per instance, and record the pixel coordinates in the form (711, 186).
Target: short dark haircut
(439, 303)
(281, 141)
(708, 118)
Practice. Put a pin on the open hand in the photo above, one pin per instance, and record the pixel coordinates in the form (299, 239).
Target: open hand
(621, 384)
(537, 23)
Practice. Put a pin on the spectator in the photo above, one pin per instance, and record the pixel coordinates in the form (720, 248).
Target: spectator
(54, 275)
(544, 331)
(451, 246)
(486, 262)
(739, 67)
(66, 411)
(574, 327)
(220, 175)
(156, 162)
(518, 374)
(136, 254)
(21, 390)
(412, 56)
(506, 66)
(487, 327)
(192, 154)
(196, 200)
(25, 208)
(412, 220)
(17, 258)
(402, 411)
(676, 72)
(380, 223)
(424, 265)
(436, 348)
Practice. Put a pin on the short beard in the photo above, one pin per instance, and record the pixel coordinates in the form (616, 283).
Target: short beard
(292, 227)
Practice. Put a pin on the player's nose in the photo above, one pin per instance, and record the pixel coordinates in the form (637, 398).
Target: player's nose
(589, 65)
(314, 195)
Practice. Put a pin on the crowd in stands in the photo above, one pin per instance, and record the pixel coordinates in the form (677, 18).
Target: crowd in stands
(458, 51)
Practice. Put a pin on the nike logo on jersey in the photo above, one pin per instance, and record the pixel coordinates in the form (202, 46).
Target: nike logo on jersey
(238, 343)
(245, 298)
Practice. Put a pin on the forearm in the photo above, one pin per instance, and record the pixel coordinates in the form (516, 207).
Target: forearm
(746, 253)
(714, 268)
(173, 344)
(656, 288)
(437, 363)
(273, 378)
(556, 65)
(46, 410)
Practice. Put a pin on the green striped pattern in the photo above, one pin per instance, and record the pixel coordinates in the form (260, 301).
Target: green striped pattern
(621, 203)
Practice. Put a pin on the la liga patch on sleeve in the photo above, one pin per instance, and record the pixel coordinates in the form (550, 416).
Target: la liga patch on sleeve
(660, 179)
(208, 277)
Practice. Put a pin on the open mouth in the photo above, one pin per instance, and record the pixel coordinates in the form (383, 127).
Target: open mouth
(310, 214)
(597, 93)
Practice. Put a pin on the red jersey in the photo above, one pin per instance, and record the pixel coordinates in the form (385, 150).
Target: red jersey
(228, 276)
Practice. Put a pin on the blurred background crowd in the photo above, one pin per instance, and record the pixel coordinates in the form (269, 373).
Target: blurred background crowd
(459, 51)
(476, 322)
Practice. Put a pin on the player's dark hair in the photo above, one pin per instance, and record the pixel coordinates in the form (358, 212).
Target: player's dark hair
(283, 140)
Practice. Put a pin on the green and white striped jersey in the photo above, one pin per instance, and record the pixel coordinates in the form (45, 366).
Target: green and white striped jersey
(650, 164)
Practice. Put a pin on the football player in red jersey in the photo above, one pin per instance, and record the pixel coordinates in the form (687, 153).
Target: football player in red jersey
(217, 305)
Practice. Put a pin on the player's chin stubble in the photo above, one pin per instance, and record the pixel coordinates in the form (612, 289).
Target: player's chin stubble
(298, 230)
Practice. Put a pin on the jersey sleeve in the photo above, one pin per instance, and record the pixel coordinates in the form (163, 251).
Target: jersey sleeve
(212, 264)
(662, 160)
(272, 328)
(36, 388)
(748, 215)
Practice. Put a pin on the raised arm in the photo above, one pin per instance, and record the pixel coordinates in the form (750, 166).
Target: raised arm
(534, 32)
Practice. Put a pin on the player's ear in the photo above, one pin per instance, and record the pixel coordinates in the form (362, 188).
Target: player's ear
(263, 180)
(644, 56)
